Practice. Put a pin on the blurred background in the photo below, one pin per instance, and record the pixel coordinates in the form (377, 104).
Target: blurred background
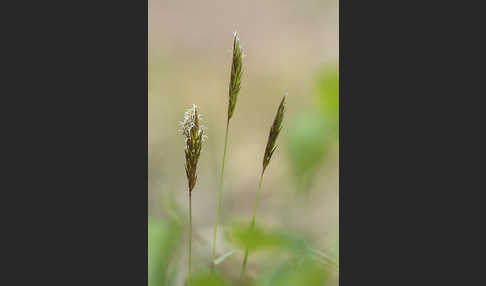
(290, 46)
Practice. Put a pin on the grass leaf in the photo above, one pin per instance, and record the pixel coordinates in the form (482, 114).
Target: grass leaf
(223, 257)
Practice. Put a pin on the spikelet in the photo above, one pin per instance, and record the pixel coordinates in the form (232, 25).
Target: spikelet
(274, 131)
(193, 133)
(236, 73)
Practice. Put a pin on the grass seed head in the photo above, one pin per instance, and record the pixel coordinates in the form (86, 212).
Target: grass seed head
(193, 133)
(274, 131)
(236, 73)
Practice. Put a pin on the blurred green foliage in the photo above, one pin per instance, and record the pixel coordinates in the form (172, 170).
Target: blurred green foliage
(310, 135)
(223, 257)
(305, 272)
(205, 279)
(327, 92)
(308, 138)
(259, 238)
(164, 238)
(303, 264)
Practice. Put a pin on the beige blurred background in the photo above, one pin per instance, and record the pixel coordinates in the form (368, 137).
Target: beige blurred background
(289, 45)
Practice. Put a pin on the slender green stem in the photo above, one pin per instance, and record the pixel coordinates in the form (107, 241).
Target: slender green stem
(190, 241)
(252, 223)
(220, 197)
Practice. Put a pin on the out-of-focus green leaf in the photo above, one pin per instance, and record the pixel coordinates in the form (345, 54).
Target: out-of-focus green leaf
(311, 134)
(223, 257)
(335, 250)
(325, 258)
(306, 273)
(170, 206)
(259, 238)
(204, 279)
(327, 88)
(309, 137)
(163, 239)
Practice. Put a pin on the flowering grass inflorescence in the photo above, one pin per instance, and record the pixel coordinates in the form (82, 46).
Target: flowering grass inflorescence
(234, 89)
(274, 131)
(193, 133)
(270, 148)
(236, 73)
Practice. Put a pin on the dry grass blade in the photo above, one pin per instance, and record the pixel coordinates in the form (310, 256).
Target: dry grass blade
(236, 73)
(274, 132)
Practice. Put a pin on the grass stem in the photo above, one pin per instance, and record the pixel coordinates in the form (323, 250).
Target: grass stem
(220, 197)
(243, 269)
(190, 241)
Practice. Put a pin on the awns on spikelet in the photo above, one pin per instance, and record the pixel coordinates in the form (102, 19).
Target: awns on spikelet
(193, 133)
(274, 131)
(236, 73)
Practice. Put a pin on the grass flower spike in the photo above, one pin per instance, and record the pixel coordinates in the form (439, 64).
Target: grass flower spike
(194, 136)
(193, 133)
(234, 89)
(274, 131)
(236, 73)
(269, 150)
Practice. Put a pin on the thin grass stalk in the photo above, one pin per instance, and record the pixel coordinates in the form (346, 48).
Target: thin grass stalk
(252, 225)
(193, 133)
(269, 150)
(190, 241)
(220, 197)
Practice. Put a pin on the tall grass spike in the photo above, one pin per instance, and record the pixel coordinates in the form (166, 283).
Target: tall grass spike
(274, 132)
(236, 73)
(193, 133)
